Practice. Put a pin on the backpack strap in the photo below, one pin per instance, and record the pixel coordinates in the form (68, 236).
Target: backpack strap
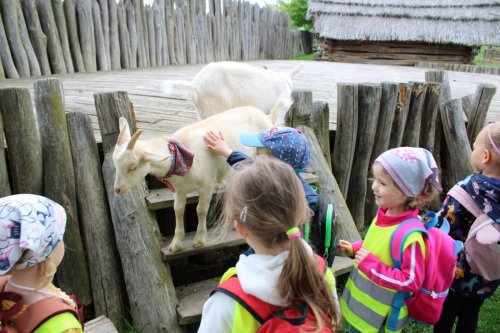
(398, 239)
(259, 309)
(465, 199)
(38, 313)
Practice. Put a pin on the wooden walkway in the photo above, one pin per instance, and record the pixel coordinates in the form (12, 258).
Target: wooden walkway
(160, 115)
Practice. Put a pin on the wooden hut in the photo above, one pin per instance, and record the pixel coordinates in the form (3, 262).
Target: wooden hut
(403, 32)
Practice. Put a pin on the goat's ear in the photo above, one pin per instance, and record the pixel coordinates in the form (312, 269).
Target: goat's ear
(124, 135)
(153, 156)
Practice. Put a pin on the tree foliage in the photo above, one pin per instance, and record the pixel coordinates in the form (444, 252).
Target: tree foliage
(298, 11)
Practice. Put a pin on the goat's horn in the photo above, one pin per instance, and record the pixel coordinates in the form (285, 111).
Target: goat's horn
(134, 139)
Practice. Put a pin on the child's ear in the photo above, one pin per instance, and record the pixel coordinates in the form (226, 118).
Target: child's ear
(487, 156)
(241, 229)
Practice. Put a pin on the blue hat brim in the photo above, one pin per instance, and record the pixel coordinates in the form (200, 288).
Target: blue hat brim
(251, 139)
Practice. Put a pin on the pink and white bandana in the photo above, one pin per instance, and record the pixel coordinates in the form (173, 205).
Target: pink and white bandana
(29, 222)
(410, 167)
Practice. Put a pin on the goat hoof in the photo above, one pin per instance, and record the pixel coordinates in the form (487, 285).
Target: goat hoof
(198, 244)
(175, 248)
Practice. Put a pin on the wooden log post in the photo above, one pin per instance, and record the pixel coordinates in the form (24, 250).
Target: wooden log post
(429, 115)
(100, 45)
(86, 33)
(9, 11)
(72, 29)
(170, 23)
(25, 38)
(329, 189)
(6, 55)
(37, 37)
(59, 184)
(132, 30)
(4, 174)
(125, 51)
(114, 36)
(60, 20)
(388, 103)
(345, 137)
(400, 115)
(105, 24)
(467, 102)
(150, 22)
(411, 133)
(2, 73)
(456, 138)
(320, 124)
(23, 141)
(300, 113)
(49, 27)
(368, 110)
(482, 100)
(106, 276)
(142, 51)
(149, 285)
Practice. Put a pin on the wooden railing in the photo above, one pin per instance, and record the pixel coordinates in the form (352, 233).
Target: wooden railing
(43, 37)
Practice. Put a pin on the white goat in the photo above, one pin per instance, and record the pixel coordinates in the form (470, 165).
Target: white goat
(134, 159)
(224, 85)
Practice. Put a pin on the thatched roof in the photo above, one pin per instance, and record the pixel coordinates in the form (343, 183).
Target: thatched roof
(463, 22)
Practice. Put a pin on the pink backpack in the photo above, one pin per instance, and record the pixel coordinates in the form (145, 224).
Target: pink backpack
(482, 249)
(426, 304)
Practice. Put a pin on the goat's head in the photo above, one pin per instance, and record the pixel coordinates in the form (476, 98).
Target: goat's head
(132, 161)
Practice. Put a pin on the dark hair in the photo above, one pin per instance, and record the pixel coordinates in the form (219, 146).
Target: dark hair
(272, 200)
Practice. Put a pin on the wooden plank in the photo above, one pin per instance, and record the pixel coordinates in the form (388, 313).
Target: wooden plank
(192, 297)
(213, 243)
(100, 324)
(164, 198)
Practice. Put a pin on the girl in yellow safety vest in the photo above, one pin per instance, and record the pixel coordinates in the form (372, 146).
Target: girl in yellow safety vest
(265, 202)
(404, 179)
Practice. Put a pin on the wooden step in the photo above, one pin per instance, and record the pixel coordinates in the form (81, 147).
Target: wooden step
(193, 296)
(100, 324)
(164, 198)
(213, 243)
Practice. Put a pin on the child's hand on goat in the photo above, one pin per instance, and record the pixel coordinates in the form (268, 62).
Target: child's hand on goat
(217, 144)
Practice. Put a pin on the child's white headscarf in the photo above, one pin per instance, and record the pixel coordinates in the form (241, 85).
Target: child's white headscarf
(29, 222)
(410, 167)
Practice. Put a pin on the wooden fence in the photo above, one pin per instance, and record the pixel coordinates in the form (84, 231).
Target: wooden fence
(43, 37)
(115, 263)
(459, 67)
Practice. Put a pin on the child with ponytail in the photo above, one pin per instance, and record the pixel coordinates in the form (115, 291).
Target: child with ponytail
(265, 203)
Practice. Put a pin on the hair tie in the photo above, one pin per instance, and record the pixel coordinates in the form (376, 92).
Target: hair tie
(293, 233)
(243, 214)
(491, 139)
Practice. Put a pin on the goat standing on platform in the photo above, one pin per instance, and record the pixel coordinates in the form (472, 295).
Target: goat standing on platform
(184, 163)
(224, 85)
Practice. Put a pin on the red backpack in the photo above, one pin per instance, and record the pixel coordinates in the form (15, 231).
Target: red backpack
(295, 318)
(34, 315)
(426, 304)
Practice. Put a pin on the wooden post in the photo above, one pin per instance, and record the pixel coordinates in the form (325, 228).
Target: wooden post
(456, 138)
(37, 37)
(368, 110)
(345, 137)
(108, 286)
(49, 27)
(170, 22)
(100, 47)
(132, 30)
(411, 133)
(400, 115)
(60, 21)
(320, 124)
(23, 141)
(74, 42)
(25, 38)
(86, 32)
(150, 23)
(301, 110)
(467, 102)
(114, 39)
(125, 51)
(9, 11)
(329, 190)
(388, 103)
(429, 114)
(4, 175)
(105, 24)
(477, 120)
(6, 55)
(59, 185)
(149, 285)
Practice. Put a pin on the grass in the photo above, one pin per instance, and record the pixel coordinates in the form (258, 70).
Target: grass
(302, 56)
(489, 321)
(478, 59)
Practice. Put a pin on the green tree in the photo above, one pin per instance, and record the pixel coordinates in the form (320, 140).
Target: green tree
(297, 10)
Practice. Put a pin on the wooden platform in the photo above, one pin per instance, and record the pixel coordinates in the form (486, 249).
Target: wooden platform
(100, 324)
(158, 114)
(193, 296)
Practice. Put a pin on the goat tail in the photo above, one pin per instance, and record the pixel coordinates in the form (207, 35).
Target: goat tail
(178, 89)
(276, 110)
(296, 69)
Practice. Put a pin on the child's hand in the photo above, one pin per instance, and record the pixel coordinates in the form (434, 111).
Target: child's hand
(361, 254)
(215, 142)
(346, 247)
